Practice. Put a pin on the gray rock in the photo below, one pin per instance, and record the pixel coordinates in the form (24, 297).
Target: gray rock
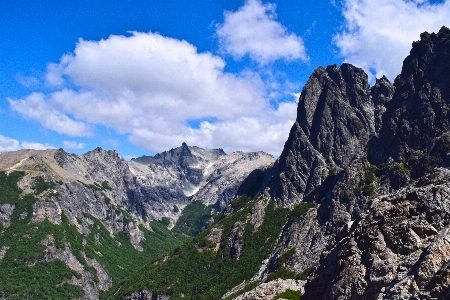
(335, 120)
(396, 250)
(6, 211)
(269, 290)
(235, 241)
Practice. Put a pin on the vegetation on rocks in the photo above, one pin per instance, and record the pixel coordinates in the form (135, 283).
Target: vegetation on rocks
(193, 218)
(24, 270)
(195, 271)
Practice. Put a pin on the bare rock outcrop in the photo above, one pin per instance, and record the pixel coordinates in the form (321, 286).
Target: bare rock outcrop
(269, 290)
(335, 120)
(416, 124)
(235, 241)
(6, 211)
(87, 280)
(399, 250)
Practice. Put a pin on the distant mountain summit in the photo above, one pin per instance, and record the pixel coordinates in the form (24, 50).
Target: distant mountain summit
(206, 175)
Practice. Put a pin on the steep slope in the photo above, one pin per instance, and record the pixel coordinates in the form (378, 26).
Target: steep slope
(399, 248)
(335, 119)
(60, 258)
(225, 255)
(367, 157)
(324, 162)
(93, 218)
(319, 155)
(209, 176)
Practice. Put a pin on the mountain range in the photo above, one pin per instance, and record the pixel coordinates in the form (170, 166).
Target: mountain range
(356, 206)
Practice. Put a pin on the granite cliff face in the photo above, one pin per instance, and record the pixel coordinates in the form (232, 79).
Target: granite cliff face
(416, 125)
(209, 176)
(335, 120)
(398, 247)
(374, 161)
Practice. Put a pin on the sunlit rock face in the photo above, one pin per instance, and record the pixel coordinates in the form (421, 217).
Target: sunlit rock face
(375, 162)
(188, 173)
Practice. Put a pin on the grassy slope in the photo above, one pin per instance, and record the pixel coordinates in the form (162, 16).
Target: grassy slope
(190, 273)
(21, 273)
(194, 217)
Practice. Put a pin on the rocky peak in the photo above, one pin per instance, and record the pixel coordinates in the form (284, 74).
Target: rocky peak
(381, 94)
(334, 123)
(188, 162)
(336, 112)
(206, 175)
(416, 118)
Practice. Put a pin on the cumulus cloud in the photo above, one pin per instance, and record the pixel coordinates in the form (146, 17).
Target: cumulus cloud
(150, 87)
(36, 107)
(73, 145)
(10, 144)
(378, 34)
(36, 146)
(254, 31)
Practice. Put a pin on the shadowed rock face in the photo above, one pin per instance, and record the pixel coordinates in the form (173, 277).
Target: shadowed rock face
(367, 156)
(395, 244)
(335, 119)
(416, 121)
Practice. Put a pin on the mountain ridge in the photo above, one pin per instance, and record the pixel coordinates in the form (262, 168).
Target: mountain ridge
(356, 207)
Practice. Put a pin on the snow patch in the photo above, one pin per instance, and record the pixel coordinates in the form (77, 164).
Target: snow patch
(206, 170)
(191, 193)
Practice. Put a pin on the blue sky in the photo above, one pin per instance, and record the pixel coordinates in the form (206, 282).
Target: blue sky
(144, 76)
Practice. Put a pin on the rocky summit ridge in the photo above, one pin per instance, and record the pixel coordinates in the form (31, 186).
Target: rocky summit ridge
(374, 160)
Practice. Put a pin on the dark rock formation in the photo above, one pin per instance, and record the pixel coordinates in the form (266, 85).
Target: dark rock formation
(395, 244)
(367, 156)
(416, 123)
(335, 119)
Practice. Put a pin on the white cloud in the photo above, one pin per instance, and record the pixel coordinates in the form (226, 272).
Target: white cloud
(378, 34)
(35, 107)
(36, 146)
(149, 87)
(73, 145)
(253, 30)
(10, 144)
